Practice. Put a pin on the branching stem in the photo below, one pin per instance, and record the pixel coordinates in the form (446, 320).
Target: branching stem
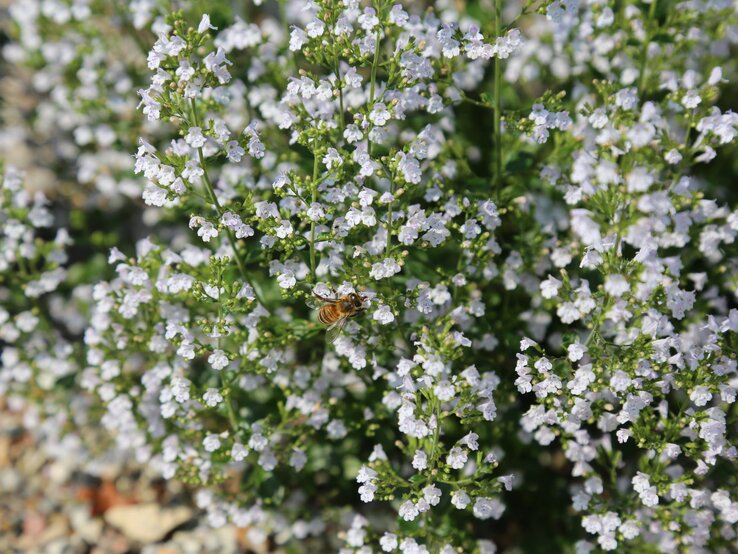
(372, 87)
(314, 190)
(497, 173)
(219, 210)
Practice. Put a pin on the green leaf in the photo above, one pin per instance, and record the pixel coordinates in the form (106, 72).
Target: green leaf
(521, 161)
(487, 98)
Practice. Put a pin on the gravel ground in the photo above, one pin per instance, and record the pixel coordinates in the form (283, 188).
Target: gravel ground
(55, 502)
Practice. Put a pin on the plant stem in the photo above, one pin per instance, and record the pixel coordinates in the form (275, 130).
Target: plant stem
(372, 87)
(340, 95)
(389, 218)
(465, 98)
(497, 173)
(232, 418)
(283, 17)
(219, 210)
(314, 187)
(644, 49)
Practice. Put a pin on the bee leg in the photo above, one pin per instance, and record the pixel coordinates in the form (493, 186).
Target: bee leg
(324, 299)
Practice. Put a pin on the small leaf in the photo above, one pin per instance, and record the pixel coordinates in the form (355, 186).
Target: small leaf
(487, 98)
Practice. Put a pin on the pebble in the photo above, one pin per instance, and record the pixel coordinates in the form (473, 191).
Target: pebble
(147, 523)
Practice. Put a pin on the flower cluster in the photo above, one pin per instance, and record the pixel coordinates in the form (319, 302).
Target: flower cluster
(38, 322)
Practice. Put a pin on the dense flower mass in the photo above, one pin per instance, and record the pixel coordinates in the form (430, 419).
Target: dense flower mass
(517, 224)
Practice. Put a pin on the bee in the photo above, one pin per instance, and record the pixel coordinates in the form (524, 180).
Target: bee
(334, 312)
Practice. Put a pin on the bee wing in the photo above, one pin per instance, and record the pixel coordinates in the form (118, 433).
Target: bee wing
(334, 330)
(314, 303)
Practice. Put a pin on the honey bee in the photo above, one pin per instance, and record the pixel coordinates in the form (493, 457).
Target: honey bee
(334, 312)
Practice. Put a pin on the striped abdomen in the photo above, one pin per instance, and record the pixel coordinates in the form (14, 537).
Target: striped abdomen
(329, 314)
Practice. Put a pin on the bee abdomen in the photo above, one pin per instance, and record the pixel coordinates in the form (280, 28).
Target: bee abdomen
(326, 315)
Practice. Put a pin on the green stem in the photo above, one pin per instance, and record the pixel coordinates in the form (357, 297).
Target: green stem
(219, 210)
(389, 218)
(372, 86)
(232, 418)
(644, 49)
(465, 98)
(429, 479)
(686, 162)
(283, 17)
(340, 96)
(434, 444)
(496, 93)
(314, 187)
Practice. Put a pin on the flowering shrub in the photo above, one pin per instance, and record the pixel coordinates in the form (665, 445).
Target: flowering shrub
(524, 203)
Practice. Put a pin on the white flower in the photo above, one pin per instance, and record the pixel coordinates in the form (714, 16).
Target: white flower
(460, 499)
(576, 351)
(258, 442)
(368, 20)
(379, 115)
(444, 391)
(256, 148)
(456, 458)
(212, 397)
(691, 100)
(384, 315)
(673, 157)
(315, 28)
(207, 231)
(267, 460)
(471, 440)
(647, 493)
(287, 280)
(410, 168)
(388, 542)
(526, 343)
(627, 98)
(408, 510)
(366, 474)
(211, 443)
(315, 212)
(701, 395)
(192, 171)
(234, 152)
(485, 508)
(154, 195)
(298, 459)
(205, 24)
(386, 268)
(332, 158)
(218, 359)
(432, 494)
(352, 134)
(298, 38)
(420, 460)
(284, 229)
(195, 138)
(239, 452)
(550, 287)
(616, 285)
(336, 429)
(366, 492)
